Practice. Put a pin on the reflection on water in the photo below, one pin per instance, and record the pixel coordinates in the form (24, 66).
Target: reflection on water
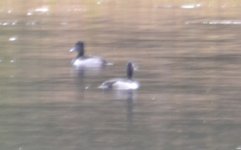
(188, 57)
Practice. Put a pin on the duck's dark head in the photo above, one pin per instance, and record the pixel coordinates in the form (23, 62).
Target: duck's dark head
(79, 48)
(130, 70)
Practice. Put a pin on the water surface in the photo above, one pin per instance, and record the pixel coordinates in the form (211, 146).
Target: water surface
(188, 58)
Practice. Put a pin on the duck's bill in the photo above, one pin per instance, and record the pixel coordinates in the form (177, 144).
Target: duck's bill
(72, 49)
(102, 86)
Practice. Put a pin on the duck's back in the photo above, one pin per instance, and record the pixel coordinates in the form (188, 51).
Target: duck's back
(120, 84)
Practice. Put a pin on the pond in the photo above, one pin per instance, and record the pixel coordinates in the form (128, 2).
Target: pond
(188, 60)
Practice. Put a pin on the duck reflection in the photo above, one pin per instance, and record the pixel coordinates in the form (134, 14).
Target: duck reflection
(84, 78)
(84, 72)
(129, 108)
(130, 97)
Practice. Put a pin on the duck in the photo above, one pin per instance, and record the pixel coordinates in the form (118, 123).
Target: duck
(83, 61)
(127, 83)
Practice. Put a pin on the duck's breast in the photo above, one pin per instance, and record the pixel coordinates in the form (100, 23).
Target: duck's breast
(88, 62)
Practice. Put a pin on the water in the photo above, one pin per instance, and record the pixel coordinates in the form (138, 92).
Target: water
(188, 58)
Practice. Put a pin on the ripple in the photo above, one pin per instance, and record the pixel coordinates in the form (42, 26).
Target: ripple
(43, 9)
(182, 6)
(216, 22)
(38, 10)
(238, 148)
(4, 23)
(99, 2)
(13, 38)
(190, 6)
(31, 23)
(9, 11)
(12, 61)
(8, 23)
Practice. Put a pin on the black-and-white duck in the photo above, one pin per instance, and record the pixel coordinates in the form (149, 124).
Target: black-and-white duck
(127, 83)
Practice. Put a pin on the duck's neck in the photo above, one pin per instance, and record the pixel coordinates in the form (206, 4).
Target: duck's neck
(129, 71)
(81, 53)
